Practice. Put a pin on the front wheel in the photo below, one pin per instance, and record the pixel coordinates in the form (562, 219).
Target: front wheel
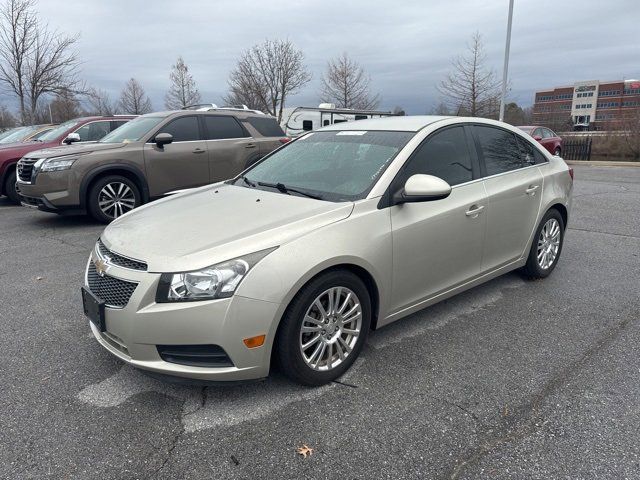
(10, 189)
(546, 246)
(324, 328)
(111, 197)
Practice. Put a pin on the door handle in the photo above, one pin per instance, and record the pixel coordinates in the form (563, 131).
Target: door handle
(199, 150)
(532, 189)
(474, 210)
(250, 145)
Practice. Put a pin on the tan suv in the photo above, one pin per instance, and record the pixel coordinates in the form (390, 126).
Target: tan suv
(147, 158)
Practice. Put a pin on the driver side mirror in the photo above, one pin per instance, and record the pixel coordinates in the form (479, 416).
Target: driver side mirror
(71, 138)
(422, 188)
(537, 138)
(163, 139)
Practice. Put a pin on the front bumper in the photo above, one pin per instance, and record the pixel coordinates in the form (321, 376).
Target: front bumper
(55, 191)
(134, 332)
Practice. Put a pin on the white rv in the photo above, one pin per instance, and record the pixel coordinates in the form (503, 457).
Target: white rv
(296, 121)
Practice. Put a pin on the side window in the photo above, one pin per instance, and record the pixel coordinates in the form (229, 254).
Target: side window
(325, 123)
(221, 127)
(546, 133)
(537, 133)
(93, 131)
(183, 129)
(117, 123)
(361, 117)
(444, 155)
(267, 126)
(530, 154)
(499, 149)
(307, 125)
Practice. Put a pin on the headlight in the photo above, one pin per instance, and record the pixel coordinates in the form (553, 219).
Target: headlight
(217, 281)
(55, 164)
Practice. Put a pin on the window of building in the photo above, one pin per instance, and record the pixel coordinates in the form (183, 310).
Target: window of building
(307, 125)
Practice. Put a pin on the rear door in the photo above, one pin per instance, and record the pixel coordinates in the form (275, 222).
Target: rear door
(266, 132)
(514, 188)
(230, 146)
(184, 163)
(438, 244)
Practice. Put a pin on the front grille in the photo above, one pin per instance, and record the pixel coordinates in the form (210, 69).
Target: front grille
(119, 260)
(25, 169)
(195, 355)
(114, 292)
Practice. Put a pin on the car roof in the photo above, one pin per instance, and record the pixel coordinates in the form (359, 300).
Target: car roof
(229, 111)
(411, 123)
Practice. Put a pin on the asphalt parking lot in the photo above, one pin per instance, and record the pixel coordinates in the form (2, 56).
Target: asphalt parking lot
(513, 379)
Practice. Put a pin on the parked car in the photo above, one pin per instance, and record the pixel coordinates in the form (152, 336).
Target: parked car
(25, 134)
(343, 230)
(86, 129)
(149, 157)
(546, 137)
(300, 120)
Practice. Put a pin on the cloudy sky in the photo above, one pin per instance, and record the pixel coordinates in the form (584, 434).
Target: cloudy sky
(406, 46)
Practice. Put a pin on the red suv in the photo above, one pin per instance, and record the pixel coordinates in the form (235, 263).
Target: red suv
(86, 129)
(546, 137)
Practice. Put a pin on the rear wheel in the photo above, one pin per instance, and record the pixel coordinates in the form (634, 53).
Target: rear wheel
(10, 189)
(111, 197)
(324, 328)
(546, 246)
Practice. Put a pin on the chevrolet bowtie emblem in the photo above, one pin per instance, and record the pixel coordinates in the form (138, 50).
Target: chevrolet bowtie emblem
(101, 267)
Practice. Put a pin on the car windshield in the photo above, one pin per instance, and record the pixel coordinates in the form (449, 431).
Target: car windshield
(14, 135)
(132, 131)
(59, 130)
(333, 165)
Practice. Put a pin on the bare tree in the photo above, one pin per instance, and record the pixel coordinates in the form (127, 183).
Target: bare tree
(183, 91)
(63, 107)
(133, 99)
(471, 88)
(18, 25)
(440, 109)
(7, 120)
(34, 61)
(269, 73)
(52, 67)
(346, 84)
(243, 95)
(100, 102)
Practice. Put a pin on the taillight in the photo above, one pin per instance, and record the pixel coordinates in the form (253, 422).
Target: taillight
(571, 173)
(285, 140)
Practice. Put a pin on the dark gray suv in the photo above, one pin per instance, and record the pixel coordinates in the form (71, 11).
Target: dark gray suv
(146, 159)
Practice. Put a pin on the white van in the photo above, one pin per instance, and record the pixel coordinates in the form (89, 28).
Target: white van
(298, 120)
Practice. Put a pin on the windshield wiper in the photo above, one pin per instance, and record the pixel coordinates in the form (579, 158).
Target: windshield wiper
(248, 182)
(284, 189)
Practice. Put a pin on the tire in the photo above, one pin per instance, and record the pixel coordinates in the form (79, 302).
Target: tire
(542, 267)
(334, 334)
(10, 187)
(557, 152)
(124, 192)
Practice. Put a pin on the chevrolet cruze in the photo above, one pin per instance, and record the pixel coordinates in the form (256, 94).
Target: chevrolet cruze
(341, 231)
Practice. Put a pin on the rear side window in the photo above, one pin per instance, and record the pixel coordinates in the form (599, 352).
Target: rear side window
(445, 155)
(267, 127)
(530, 154)
(94, 131)
(499, 149)
(183, 129)
(220, 127)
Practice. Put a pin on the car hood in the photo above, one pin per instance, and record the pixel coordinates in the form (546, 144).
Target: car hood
(59, 151)
(212, 224)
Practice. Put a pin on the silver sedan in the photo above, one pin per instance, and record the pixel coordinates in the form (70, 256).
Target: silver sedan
(343, 230)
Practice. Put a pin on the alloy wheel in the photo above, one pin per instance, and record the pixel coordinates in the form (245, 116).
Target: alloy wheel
(548, 243)
(116, 199)
(330, 328)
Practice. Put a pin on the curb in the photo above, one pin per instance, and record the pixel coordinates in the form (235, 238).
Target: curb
(602, 163)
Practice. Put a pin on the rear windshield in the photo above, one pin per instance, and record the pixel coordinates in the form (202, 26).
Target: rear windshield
(133, 131)
(267, 127)
(59, 130)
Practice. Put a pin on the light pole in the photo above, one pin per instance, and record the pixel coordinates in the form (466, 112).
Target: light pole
(505, 68)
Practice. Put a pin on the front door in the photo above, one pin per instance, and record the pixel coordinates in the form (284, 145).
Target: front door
(438, 244)
(184, 163)
(514, 188)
